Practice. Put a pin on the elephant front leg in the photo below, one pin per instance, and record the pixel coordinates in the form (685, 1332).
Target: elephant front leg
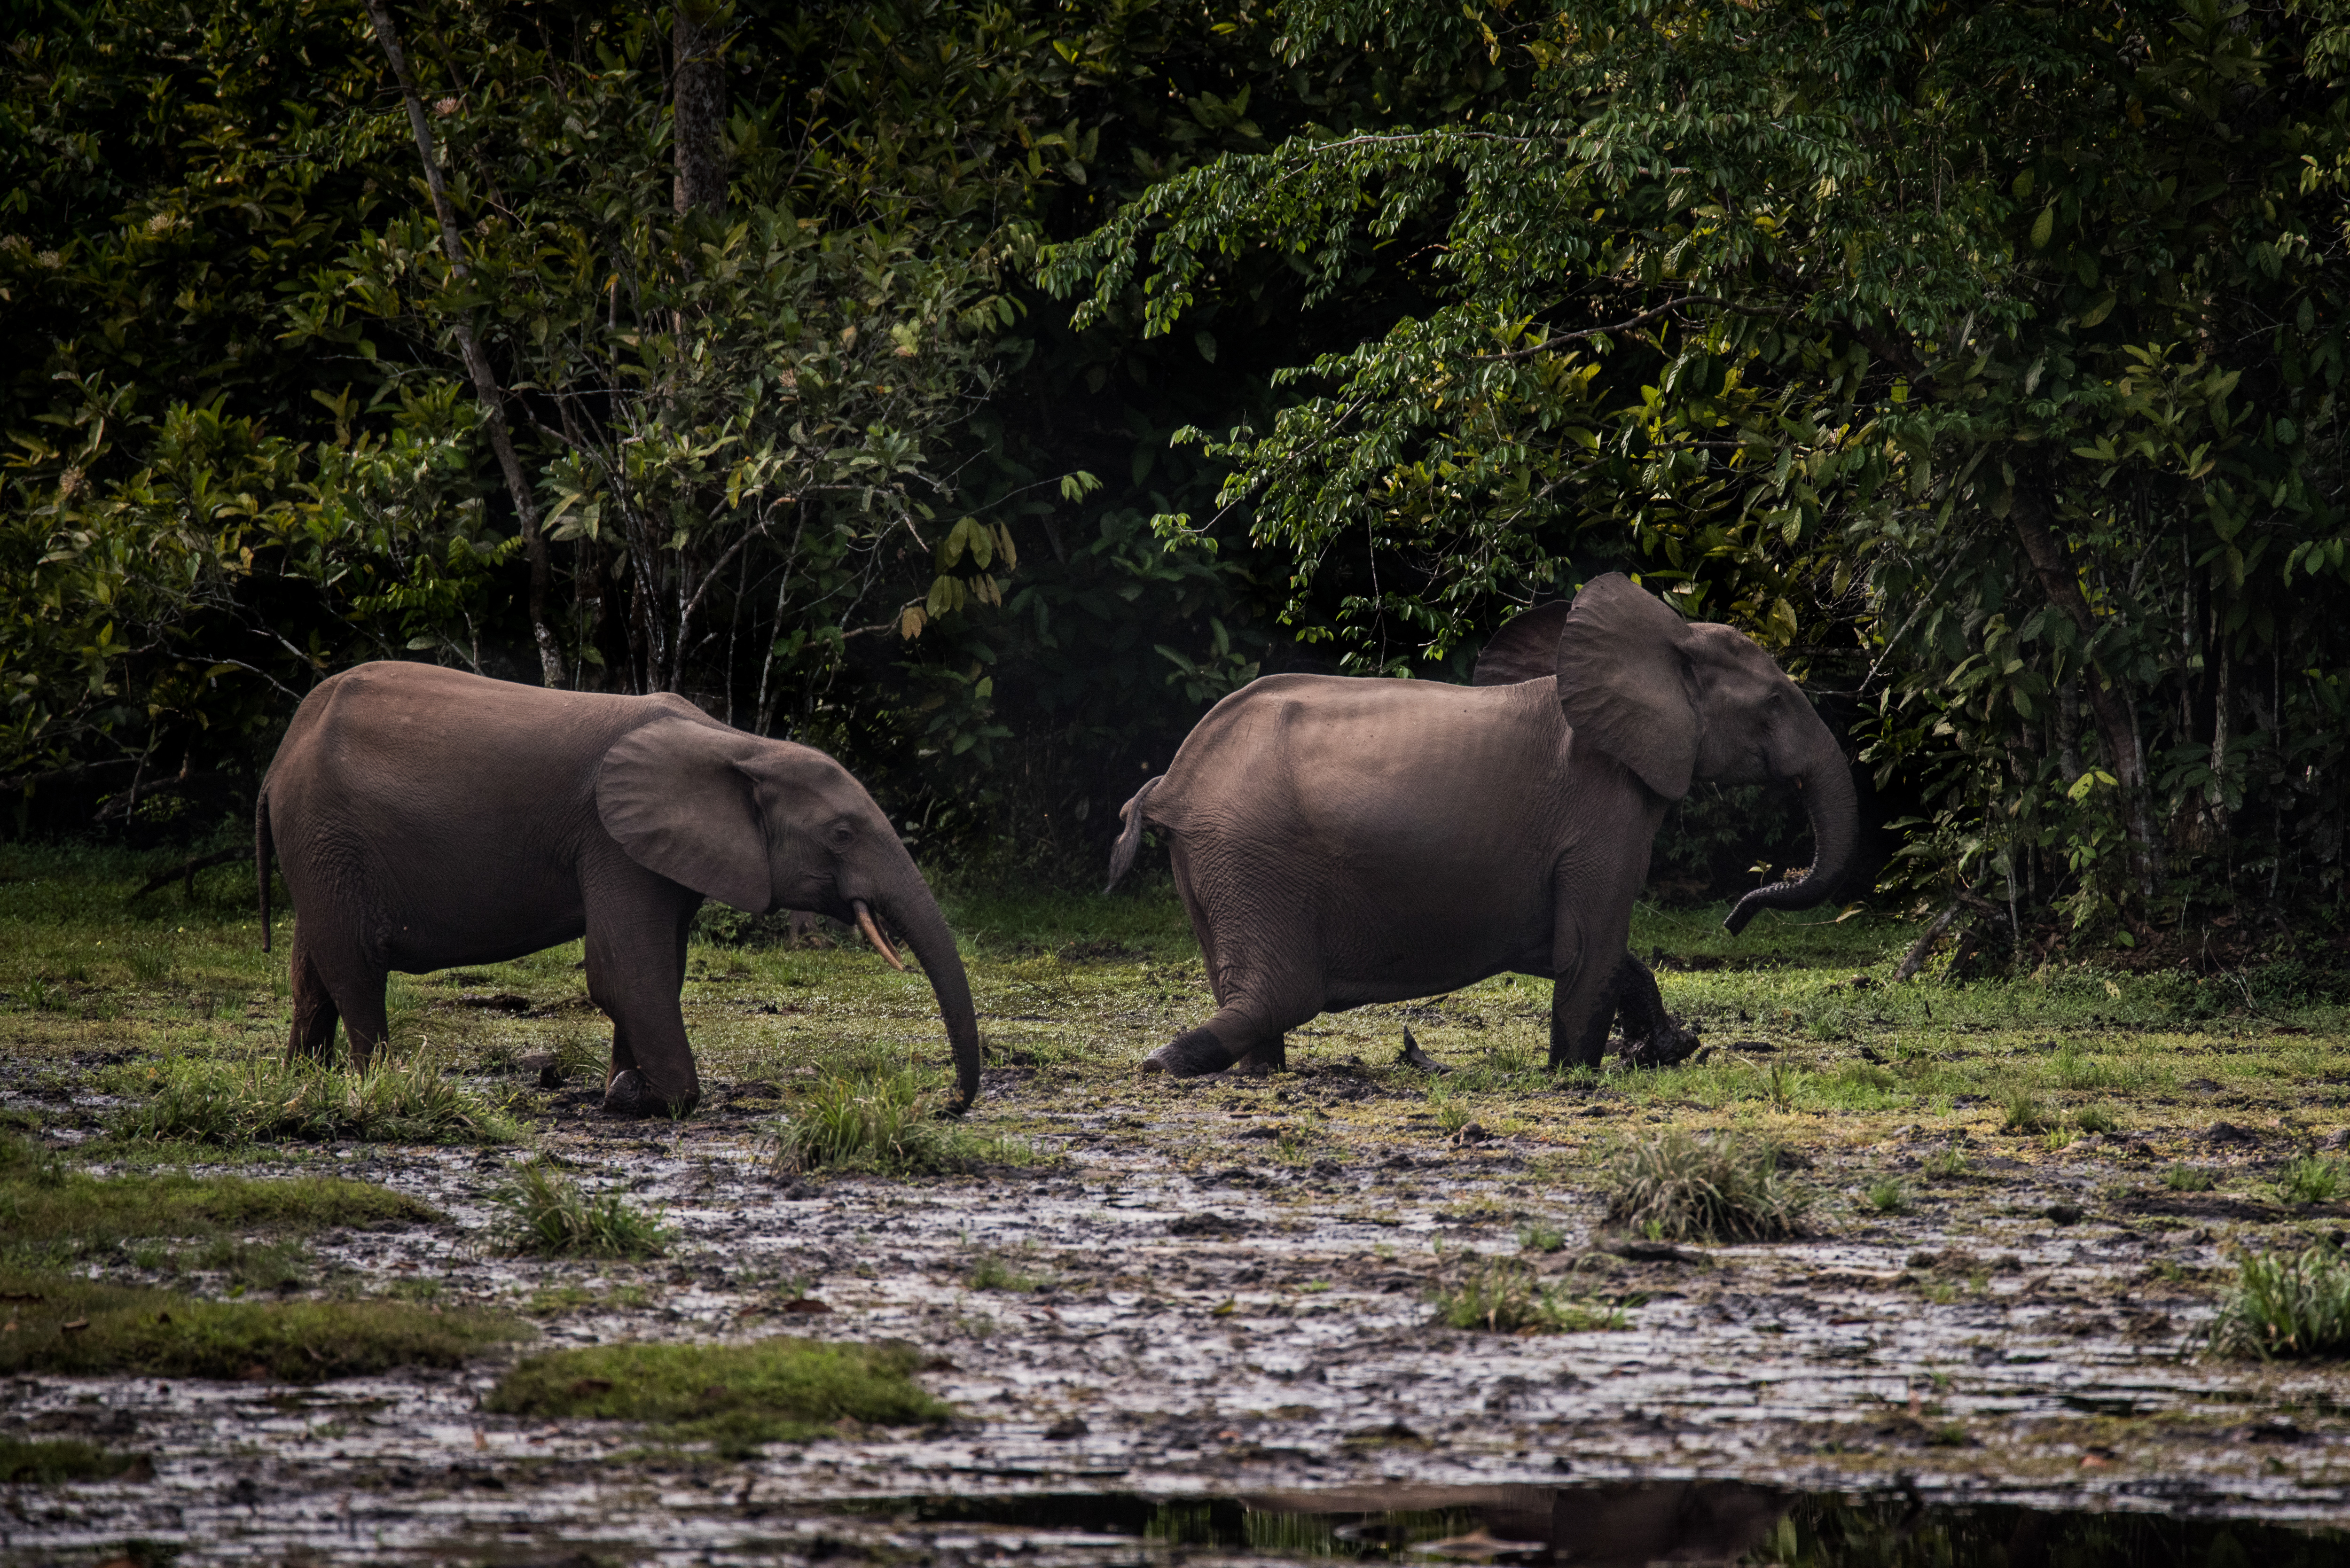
(636, 968)
(1582, 1006)
(1651, 1038)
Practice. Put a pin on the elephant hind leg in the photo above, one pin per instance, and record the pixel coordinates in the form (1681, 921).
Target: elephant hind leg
(1235, 1036)
(313, 1035)
(330, 984)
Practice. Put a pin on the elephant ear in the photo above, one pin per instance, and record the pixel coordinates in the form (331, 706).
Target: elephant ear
(674, 794)
(1525, 649)
(1624, 682)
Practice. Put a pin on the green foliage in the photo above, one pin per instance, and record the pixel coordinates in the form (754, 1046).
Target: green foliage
(34, 1463)
(546, 1214)
(269, 1097)
(736, 1397)
(2024, 1112)
(49, 1209)
(890, 1121)
(1888, 1195)
(1718, 1188)
(2312, 1178)
(2285, 1306)
(68, 1326)
(2189, 1179)
(1502, 1295)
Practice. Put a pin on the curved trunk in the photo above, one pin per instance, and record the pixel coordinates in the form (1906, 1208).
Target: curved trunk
(910, 907)
(1836, 831)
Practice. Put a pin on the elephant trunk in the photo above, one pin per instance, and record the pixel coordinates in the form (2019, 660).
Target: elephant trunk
(915, 913)
(1836, 831)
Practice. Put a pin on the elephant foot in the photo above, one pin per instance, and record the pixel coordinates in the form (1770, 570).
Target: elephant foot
(1190, 1054)
(1667, 1046)
(627, 1095)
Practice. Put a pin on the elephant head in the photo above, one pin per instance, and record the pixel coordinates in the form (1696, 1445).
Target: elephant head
(767, 824)
(1675, 701)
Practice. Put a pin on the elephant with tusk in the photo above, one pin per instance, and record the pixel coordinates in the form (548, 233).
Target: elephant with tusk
(1342, 841)
(426, 818)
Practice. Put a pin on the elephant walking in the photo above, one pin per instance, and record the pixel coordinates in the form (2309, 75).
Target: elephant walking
(426, 818)
(1342, 841)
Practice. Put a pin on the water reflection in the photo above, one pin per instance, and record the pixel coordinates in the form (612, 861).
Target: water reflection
(1629, 1525)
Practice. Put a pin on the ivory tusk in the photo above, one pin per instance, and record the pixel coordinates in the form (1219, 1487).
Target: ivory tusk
(865, 923)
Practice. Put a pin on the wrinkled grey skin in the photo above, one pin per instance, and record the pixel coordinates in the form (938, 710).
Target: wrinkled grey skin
(426, 818)
(1339, 842)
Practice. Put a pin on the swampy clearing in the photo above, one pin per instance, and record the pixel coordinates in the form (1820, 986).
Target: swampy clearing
(2025, 1201)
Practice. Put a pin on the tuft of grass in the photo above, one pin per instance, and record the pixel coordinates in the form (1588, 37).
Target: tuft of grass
(48, 1464)
(2286, 1306)
(2025, 1114)
(889, 1122)
(52, 1209)
(1888, 1195)
(1541, 1239)
(78, 1327)
(995, 1272)
(736, 1397)
(1947, 1164)
(1502, 1295)
(271, 1098)
(2189, 1179)
(546, 1214)
(2096, 1119)
(1453, 1111)
(1718, 1188)
(2312, 1178)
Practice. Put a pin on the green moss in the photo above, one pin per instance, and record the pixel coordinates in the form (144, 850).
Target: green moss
(49, 1208)
(83, 1328)
(735, 1396)
(47, 1464)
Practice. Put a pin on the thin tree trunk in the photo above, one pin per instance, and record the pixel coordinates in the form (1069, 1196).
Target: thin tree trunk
(2061, 585)
(485, 385)
(698, 108)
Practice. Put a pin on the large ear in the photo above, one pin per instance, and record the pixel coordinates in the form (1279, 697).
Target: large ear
(674, 796)
(1624, 682)
(1525, 649)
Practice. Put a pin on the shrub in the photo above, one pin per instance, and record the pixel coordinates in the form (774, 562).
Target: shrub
(2286, 1305)
(1502, 1295)
(273, 1098)
(736, 1397)
(1718, 1188)
(546, 1215)
(2312, 1178)
(889, 1122)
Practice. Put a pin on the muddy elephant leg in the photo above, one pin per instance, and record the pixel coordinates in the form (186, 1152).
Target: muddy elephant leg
(1240, 1033)
(313, 1036)
(636, 967)
(1651, 1038)
(331, 978)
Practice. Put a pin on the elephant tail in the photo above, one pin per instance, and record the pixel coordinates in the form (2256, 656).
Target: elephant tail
(262, 846)
(1121, 858)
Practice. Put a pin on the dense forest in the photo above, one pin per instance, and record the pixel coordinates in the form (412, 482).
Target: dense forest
(980, 391)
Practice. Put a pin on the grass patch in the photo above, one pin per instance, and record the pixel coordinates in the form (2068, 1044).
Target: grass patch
(1534, 1238)
(48, 1207)
(2096, 1119)
(735, 1396)
(2025, 1114)
(2286, 1306)
(1502, 1295)
(1888, 1195)
(995, 1272)
(1718, 1188)
(79, 1327)
(271, 1098)
(889, 1122)
(1947, 1165)
(2189, 1179)
(48, 1464)
(2312, 1178)
(544, 1214)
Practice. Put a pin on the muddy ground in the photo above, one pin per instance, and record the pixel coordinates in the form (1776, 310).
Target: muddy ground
(1224, 1287)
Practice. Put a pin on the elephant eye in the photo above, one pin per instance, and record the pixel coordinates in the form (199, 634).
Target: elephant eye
(840, 833)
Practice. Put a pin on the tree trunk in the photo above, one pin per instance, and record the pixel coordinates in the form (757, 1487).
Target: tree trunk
(477, 363)
(2030, 514)
(698, 109)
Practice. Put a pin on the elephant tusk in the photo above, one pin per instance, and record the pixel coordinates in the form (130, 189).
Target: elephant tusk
(865, 923)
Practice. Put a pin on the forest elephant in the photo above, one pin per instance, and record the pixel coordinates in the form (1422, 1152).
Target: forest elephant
(1338, 841)
(425, 818)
